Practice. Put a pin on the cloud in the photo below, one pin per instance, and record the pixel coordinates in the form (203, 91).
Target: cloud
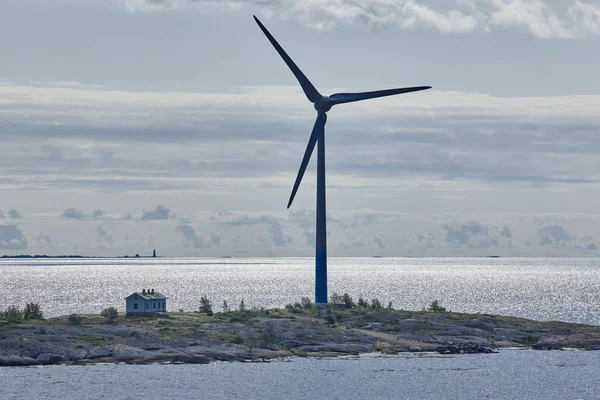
(43, 239)
(380, 240)
(557, 236)
(104, 234)
(191, 238)
(275, 225)
(14, 214)
(304, 219)
(427, 240)
(587, 15)
(506, 232)
(215, 239)
(475, 235)
(97, 213)
(160, 212)
(553, 235)
(67, 84)
(590, 246)
(73, 213)
(535, 17)
(12, 238)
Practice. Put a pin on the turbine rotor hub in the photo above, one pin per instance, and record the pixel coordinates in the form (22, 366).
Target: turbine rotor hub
(323, 104)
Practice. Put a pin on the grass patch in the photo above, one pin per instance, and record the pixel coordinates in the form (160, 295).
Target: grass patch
(530, 339)
(237, 339)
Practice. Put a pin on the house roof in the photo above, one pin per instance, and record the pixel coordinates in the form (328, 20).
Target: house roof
(149, 296)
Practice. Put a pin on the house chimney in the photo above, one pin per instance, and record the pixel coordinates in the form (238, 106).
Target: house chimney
(143, 291)
(152, 291)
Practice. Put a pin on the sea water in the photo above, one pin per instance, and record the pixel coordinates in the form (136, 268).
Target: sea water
(516, 374)
(536, 288)
(542, 289)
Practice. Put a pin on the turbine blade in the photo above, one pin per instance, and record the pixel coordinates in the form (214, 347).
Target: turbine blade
(309, 90)
(317, 132)
(340, 98)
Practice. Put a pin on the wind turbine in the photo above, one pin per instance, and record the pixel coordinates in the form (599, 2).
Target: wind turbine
(322, 104)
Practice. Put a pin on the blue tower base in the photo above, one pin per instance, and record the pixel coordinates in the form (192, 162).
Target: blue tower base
(321, 237)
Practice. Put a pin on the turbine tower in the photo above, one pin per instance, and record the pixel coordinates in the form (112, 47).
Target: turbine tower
(322, 104)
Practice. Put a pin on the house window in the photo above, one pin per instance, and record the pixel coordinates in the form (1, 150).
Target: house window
(135, 306)
(154, 305)
(147, 306)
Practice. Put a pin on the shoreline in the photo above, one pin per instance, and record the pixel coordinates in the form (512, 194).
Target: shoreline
(260, 335)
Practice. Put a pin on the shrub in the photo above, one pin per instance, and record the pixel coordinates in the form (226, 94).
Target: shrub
(306, 303)
(347, 300)
(242, 305)
(13, 314)
(362, 303)
(530, 339)
(205, 305)
(298, 305)
(435, 307)
(110, 314)
(376, 304)
(237, 339)
(335, 298)
(32, 311)
(75, 319)
(267, 337)
(329, 316)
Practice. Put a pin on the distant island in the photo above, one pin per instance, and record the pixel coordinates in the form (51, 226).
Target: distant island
(299, 330)
(75, 256)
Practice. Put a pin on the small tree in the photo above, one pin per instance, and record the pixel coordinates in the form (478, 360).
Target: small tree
(389, 307)
(75, 319)
(362, 303)
(435, 307)
(376, 304)
(306, 303)
(205, 305)
(329, 316)
(13, 314)
(242, 305)
(347, 300)
(226, 306)
(32, 311)
(335, 298)
(110, 314)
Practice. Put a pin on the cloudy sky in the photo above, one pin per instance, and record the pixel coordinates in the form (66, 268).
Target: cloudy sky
(128, 125)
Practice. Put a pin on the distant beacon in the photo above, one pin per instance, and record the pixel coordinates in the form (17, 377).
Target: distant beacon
(154, 253)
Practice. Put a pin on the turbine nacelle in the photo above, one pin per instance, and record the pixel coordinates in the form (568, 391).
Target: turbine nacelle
(324, 104)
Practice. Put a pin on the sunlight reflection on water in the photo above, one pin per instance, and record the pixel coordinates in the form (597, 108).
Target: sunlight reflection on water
(543, 289)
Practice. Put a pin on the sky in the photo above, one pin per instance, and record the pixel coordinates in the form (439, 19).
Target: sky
(132, 125)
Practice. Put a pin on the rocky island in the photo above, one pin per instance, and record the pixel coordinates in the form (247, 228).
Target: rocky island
(267, 334)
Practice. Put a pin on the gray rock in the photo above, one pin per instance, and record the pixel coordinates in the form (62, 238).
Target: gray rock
(17, 361)
(50, 358)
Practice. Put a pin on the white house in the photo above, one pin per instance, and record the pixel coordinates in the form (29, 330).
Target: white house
(145, 303)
